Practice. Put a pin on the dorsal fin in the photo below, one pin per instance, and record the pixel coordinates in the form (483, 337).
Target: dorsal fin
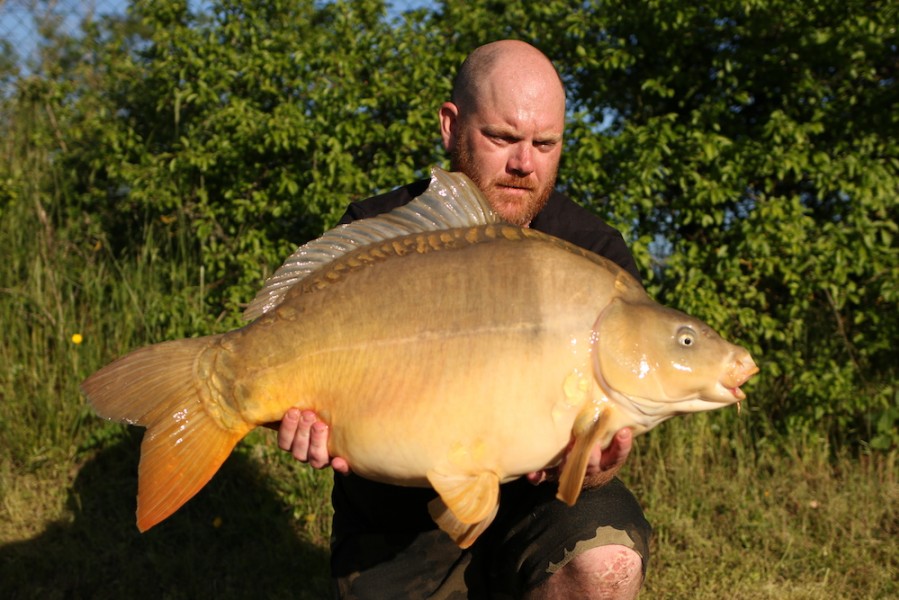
(451, 200)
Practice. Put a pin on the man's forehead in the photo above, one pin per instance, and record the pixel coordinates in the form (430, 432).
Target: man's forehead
(517, 100)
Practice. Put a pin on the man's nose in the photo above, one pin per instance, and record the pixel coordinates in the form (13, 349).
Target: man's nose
(521, 161)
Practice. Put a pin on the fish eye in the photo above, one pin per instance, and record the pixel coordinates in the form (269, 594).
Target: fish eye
(686, 337)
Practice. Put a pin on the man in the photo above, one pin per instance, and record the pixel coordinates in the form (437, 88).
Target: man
(503, 128)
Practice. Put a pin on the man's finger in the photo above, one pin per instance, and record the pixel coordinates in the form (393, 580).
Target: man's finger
(287, 429)
(318, 445)
(299, 445)
(617, 452)
(340, 465)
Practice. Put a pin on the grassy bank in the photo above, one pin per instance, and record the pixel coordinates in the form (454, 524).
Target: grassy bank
(734, 516)
(737, 521)
(68, 479)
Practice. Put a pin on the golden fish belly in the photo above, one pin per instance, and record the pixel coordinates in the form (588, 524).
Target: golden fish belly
(451, 360)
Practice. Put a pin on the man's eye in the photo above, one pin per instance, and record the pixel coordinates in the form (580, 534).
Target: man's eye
(546, 145)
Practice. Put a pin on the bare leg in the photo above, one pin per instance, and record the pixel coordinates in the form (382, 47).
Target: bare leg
(606, 572)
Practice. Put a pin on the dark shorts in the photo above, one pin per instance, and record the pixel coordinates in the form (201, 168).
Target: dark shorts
(533, 536)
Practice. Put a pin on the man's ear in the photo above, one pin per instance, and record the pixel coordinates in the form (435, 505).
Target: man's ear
(449, 116)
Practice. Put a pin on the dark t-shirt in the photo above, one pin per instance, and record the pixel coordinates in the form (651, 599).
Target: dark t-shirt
(364, 506)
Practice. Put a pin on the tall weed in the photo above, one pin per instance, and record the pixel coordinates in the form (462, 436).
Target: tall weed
(737, 518)
(68, 307)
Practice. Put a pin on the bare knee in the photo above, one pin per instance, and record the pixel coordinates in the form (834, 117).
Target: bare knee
(607, 572)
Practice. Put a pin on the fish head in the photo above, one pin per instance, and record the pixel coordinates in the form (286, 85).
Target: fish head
(666, 362)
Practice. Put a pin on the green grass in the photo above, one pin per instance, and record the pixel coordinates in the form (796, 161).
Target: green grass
(68, 479)
(733, 520)
(734, 516)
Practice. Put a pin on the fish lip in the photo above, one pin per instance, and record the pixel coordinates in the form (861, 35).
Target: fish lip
(738, 394)
(725, 394)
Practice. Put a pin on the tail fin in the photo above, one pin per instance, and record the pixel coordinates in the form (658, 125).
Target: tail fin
(158, 387)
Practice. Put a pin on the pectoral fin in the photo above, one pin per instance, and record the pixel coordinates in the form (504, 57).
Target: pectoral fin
(466, 506)
(588, 431)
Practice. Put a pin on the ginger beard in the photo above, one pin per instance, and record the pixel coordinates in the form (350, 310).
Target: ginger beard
(516, 208)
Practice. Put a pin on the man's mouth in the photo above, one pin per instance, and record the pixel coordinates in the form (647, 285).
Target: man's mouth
(518, 184)
(514, 188)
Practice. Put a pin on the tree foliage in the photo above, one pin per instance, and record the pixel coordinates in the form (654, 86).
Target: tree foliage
(746, 148)
(252, 123)
(749, 150)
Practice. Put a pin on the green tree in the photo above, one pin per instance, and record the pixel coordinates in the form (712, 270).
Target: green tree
(749, 149)
(252, 123)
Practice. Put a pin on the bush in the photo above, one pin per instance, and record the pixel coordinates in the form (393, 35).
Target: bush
(746, 149)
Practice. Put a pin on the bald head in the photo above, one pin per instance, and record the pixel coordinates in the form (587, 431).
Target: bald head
(500, 64)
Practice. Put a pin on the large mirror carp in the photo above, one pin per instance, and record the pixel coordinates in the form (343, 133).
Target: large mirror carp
(442, 347)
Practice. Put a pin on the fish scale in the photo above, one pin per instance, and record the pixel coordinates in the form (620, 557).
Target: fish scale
(443, 348)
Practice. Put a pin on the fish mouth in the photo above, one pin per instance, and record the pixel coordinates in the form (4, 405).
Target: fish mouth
(737, 393)
(725, 393)
(745, 371)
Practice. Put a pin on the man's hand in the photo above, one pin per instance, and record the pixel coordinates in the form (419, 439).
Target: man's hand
(602, 466)
(304, 436)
